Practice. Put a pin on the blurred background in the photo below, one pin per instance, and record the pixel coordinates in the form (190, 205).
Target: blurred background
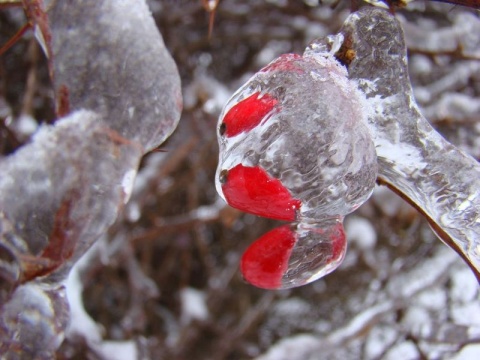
(164, 282)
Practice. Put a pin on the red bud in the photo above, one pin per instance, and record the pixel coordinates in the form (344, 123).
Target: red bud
(266, 260)
(247, 114)
(252, 190)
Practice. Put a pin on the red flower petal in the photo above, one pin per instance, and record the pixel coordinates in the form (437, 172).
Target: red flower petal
(252, 190)
(247, 114)
(266, 260)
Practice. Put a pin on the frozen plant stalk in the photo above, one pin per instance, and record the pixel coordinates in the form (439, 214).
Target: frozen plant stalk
(58, 194)
(414, 160)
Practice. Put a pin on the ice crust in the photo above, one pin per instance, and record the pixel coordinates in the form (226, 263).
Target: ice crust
(118, 92)
(131, 80)
(414, 160)
(316, 144)
(58, 195)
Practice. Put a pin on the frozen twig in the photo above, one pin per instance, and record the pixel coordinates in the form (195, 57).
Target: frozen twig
(129, 81)
(441, 181)
(62, 191)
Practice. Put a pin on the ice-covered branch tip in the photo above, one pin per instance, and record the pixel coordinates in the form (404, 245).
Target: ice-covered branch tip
(111, 59)
(59, 193)
(415, 161)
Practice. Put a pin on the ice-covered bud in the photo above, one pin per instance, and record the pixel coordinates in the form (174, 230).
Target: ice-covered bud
(294, 145)
(252, 190)
(302, 121)
(247, 114)
(294, 255)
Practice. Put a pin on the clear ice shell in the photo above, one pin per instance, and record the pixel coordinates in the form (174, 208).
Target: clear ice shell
(132, 81)
(295, 255)
(309, 134)
(319, 250)
(314, 141)
(121, 90)
(440, 180)
(32, 323)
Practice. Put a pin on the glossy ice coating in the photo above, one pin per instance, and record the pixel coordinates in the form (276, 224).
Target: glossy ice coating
(294, 146)
(294, 255)
(436, 177)
(312, 138)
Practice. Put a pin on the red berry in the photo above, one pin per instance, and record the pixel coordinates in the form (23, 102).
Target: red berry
(247, 114)
(266, 260)
(252, 190)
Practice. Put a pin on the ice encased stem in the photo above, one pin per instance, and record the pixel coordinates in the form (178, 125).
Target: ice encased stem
(415, 161)
(119, 95)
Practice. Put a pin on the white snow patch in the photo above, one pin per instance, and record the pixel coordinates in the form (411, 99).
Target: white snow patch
(421, 64)
(361, 322)
(26, 125)
(378, 340)
(361, 232)
(127, 184)
(292, 307)
(461, 107)
(378, 3)
(149, 172)
(467, 314)
(464, 286)
(209, 212)
(405, 351)
(194, 306)
(271, 51)
(295, 348)
(390, 203)
(131, 112)
(418, 320)
(117, 350)
(133, 212)
(207, 90)
(81, 324)
(433, 299)
(469, 352)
